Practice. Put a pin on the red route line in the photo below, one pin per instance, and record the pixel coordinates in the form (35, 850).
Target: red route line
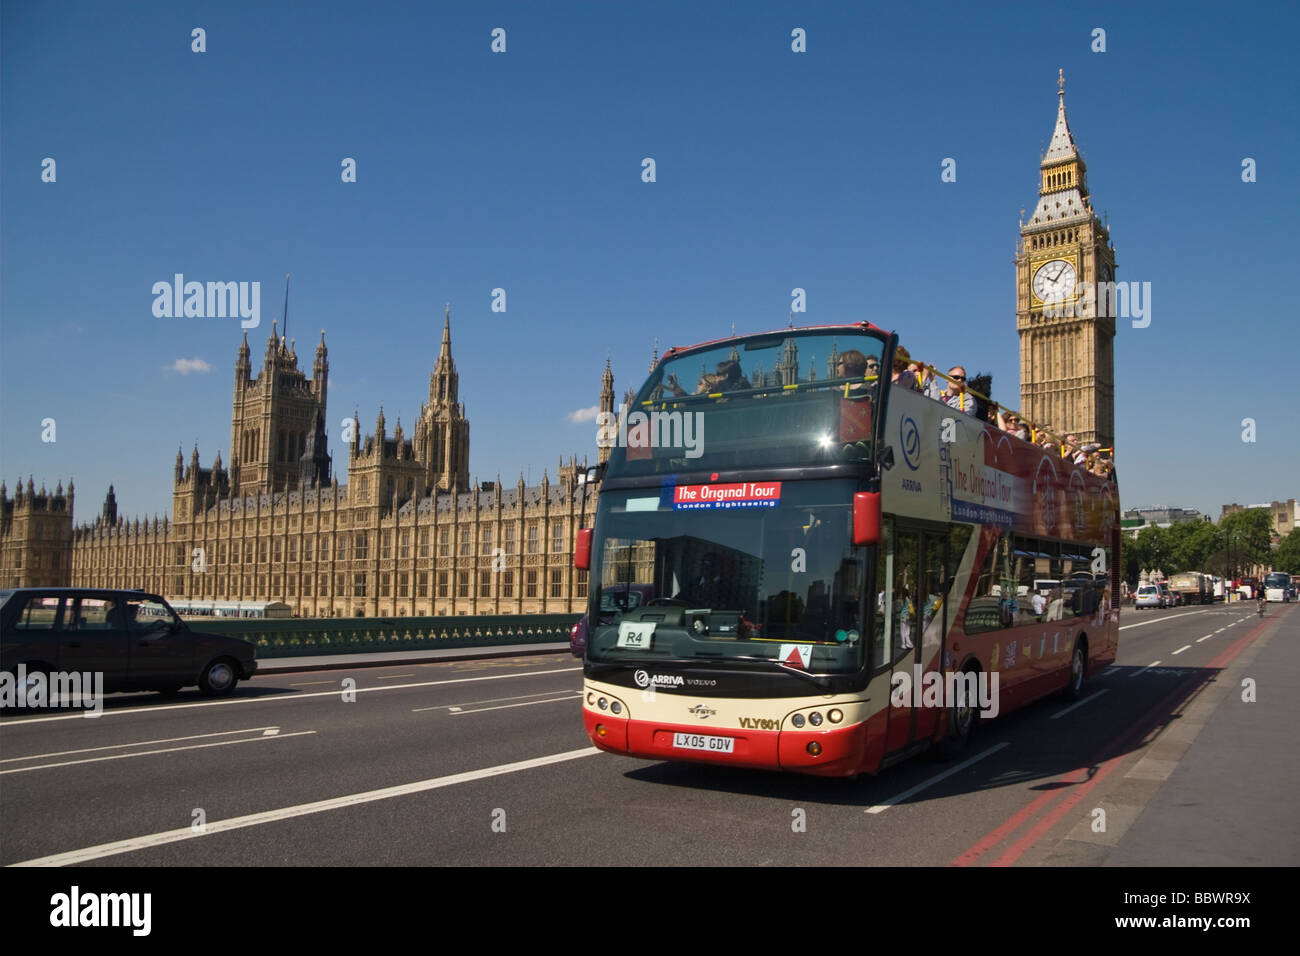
(1089, 780)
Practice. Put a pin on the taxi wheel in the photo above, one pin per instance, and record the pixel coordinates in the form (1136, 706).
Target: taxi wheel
(219, 678)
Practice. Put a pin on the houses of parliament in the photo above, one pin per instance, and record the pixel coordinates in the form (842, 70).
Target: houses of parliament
(409, 534)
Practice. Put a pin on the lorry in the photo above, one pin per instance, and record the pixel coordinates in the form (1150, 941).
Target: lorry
(1193, 586)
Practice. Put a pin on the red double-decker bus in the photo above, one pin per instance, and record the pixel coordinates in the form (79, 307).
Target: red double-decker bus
(830, 572)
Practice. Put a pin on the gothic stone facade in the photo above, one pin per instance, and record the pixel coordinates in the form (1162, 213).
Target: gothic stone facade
(407, 535)
(35, 536)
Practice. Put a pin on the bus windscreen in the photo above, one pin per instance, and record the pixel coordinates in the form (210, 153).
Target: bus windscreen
(785, 400)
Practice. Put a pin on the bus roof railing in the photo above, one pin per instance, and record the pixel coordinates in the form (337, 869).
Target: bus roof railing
(1035, 431)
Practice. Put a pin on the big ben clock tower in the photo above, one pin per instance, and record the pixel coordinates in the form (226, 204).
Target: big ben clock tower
(1065, 267)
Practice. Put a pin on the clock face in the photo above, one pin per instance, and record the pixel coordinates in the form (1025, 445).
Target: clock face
(1054, 280)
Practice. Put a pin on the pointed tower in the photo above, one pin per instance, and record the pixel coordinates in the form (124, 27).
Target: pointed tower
(606, 408)
(1065, 273)
(320, 372)
(314, 466)
(442, 432)
(273, 415)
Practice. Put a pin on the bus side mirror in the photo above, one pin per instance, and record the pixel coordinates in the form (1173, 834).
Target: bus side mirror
(866, 517)
(582, 550)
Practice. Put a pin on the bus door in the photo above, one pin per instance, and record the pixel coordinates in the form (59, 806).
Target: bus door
(919, 570)
(902, 611)
(933, 583)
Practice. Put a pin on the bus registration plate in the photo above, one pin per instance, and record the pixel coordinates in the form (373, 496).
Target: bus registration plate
(717, 745)
(635, 635)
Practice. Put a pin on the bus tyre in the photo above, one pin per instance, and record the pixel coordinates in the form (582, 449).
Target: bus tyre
(219, 678)
(961, 724)
(1078, 670)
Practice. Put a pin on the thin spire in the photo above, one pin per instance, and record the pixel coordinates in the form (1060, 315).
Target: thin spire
(286, 303)
(1062, 144)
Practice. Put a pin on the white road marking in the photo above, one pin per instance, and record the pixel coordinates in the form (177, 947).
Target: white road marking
(1167, 617)
(276, 697)
(393, 676)
(285, 813)
(490, 700)
(1206, 637)
(1090, 697)
(137, 743)
(1112, 667)
(313, 683)
(1145, 669)
(479, 710)
(271, 732)
(913, 791)
(164, 750)
(1183, 648)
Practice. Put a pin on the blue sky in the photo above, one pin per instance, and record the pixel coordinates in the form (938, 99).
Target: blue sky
(522, 171)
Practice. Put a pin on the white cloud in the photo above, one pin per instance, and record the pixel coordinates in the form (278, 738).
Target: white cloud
(585, 414)
(184, 366)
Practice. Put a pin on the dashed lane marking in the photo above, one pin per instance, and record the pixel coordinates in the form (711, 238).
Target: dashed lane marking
(913, 791)
(285, 813)
(1075, 706)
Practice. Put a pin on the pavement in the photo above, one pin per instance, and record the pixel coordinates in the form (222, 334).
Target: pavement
(1229, 764)
(322, 662)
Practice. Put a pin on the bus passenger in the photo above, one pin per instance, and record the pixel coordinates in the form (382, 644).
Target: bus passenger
(956, 396)
(902, 375)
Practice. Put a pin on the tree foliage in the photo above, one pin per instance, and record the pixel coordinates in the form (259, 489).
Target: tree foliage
(1286, 556)
(1242, 539)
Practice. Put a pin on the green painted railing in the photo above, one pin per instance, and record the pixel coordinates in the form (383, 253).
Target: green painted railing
(305, 636)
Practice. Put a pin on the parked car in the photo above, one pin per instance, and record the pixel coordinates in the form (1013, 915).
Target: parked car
(133, 638)
(1148, 595)
(1166, 595)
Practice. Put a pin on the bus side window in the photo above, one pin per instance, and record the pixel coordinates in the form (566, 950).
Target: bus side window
(993, 588)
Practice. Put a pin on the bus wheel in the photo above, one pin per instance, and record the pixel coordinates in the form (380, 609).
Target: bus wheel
(961, 724)
(1078, 670)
